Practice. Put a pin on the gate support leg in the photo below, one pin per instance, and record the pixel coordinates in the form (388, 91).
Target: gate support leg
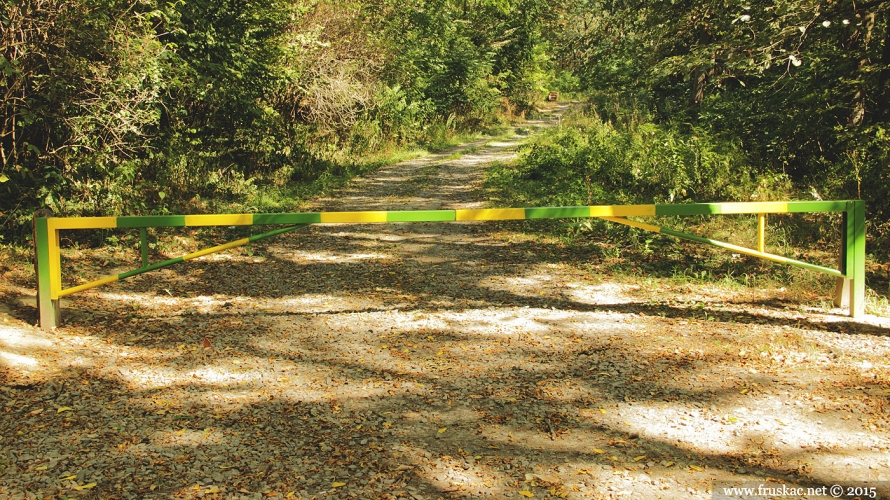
(48, 309)
(854, 257)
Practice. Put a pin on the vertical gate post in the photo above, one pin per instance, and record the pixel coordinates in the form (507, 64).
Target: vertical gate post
(854, 265)
(761, 233)
(48, 309)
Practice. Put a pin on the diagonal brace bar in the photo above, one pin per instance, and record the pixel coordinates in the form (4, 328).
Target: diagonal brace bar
(728, 246)
(177, 260)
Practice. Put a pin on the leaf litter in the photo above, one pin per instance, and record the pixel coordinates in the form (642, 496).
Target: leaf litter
(427, 361)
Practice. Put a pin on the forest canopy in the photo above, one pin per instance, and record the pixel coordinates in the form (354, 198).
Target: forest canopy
(139, 106)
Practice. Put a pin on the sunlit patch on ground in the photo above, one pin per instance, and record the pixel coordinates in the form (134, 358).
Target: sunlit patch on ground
(433, 361)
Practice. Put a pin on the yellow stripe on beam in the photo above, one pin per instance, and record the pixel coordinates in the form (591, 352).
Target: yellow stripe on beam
(490, 214)
(218, 248)
(219, 220)
(621, 210)
(353, 217)
(633, 223)
(87, 286)
(763, 207)
(81, 223)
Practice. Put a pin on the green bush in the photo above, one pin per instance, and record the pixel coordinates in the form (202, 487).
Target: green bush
(589, 161)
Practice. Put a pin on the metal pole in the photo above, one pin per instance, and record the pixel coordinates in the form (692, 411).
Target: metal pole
(49, 312)
(856, 257)
(169, 262)
(761, 233)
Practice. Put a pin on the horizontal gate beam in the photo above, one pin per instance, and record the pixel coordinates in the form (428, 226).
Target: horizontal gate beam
(48, 260)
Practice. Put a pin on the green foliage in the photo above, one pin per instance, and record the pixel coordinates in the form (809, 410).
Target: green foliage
(81, 84)
(107, 104)
(118, 107)
(801, 86)
(588, 161)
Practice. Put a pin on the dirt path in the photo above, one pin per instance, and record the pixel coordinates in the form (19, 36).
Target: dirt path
(424, 361)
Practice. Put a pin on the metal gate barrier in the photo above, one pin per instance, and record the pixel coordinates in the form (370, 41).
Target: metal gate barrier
(851, 270)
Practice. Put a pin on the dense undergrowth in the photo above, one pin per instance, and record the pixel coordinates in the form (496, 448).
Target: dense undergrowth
(153, 107)
(590, 161)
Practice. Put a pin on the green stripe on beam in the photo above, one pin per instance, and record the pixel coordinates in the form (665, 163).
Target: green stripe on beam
(421, 216)
(293, 218)
(688, 209)
(816, 206)
(556, 212)
(152, 221)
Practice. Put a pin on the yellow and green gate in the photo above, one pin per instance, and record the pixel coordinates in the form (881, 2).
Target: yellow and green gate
(50, 288)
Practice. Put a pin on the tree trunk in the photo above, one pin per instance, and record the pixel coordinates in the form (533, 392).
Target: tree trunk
(697, 82)
(860, 107)
(882, 111)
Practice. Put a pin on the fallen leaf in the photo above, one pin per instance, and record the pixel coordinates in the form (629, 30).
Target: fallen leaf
(206, 343)
(68, 478)
(64, 408)
(442, 430)
(637, 459)
(85, 487)
(695, 468)
(598, 451)
(526, 493)
(337, 485)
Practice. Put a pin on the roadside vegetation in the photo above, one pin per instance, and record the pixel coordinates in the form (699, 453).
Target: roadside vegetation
(153, 107)
(590, 161)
